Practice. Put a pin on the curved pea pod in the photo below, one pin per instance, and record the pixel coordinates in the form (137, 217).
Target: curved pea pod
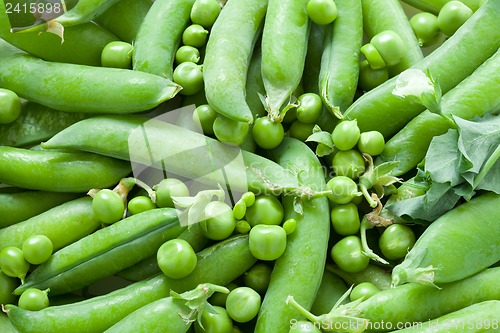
(219, 264)
(159, 36)
(475, 96)
(338, 77)
(479, 317)
(389, 15)
(59, 171)
(228, 53)
(20, 206)
(254, 85)
(434, 6)
(63, 224)
(105, 252)
(299, 270)
(460, 243)
(124, 18)
(80, 88)
(477, 39)
(36, 124)
(153, 141)
(411, 303)
(284, 50)
(83, 43)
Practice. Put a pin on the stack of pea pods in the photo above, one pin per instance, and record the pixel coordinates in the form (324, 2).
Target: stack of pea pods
(229, 165)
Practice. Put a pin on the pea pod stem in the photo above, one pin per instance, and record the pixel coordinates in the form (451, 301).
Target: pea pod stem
(366, 224)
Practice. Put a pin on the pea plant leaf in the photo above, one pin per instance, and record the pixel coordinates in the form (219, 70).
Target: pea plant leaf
(457, 165)
(419, 87)
(324, 140)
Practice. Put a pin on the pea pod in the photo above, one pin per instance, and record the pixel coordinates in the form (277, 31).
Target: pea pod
(5, 325)
(312, 67)
(331, 289)
(284, 50)
(36, 124)
(149, 266)
(300, 269)
(63, 225)
(124, 18)
(83, 43)
(228, 54)
(111, 135)
(473, 318)
(338, 77)
(410, 303)
(159, 36)
(219, 264)
(20, 206)
(434, 6)
(442, 254)
(59, 171)
(104, 252)
(170, 314)
(255, 85)
(374, 274)
(79, 88)
(476, 95)
(478, 39)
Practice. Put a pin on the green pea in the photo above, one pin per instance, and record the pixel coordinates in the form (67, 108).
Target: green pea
(10, 106)
(140, 204)
(205, 12)
(363, 290)
(195, 35)
(37, 249)
(187, 53)
(12, 262)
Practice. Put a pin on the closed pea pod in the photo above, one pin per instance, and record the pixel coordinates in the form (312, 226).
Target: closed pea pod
(476, 95)
(110, 135)
(159, 36)
(20, 206)
(467, 244)
(228, 54)
(63, 224)
(476, 41)
(59, 171)
(300, 269)
(219, 264)
(105, 252)
(79, 88)
(376, 275)
(286, 24)
(338, 77)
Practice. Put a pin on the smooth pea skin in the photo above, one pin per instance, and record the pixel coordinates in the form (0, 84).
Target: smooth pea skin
(58, 171)
(10, 106)
(228, 53)
(117, 55)
(63, 225)
(80, 88)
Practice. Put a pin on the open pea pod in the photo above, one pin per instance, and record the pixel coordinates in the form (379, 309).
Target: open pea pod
(105, 252)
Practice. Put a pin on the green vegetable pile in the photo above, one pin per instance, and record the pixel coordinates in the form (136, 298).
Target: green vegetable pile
(249, 166)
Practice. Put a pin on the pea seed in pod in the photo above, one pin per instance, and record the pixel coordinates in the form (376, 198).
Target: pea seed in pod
(10, 106)
(34, 299)
(37, 249)
(205, 12)
(176, 258)
(220, 222)
(267, 242)
(267, 209)
(243, 304)
(346, 134)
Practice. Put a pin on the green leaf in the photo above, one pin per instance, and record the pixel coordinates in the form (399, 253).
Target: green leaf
(442, 158)
(321, 137)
